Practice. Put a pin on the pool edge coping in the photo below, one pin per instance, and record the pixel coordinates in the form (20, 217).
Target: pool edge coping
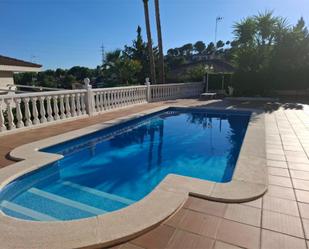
(248, 183)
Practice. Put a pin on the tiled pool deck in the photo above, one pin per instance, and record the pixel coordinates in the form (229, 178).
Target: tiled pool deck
(278, 220)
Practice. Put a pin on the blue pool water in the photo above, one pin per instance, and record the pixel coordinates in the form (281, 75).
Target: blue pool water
(113, 168)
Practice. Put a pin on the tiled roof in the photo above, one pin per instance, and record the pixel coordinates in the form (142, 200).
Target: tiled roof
(4, 60)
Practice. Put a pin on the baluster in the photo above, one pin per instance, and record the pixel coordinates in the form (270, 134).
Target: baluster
(107, 99)
(83, 104)
(97, 104)
(78, 106)
(11, 123)
(73, 106)
(35, 112)
(131, 96)
(124, 95)
(42, 109)
(117, 98)
(62, 109)
(138, 96)
(128, 97)
(19, 115)
(120, 98)
(104, 100)
(2, 121)
(67, 106)
(112, 99)
(134, 95)
(49, 109)
(56, 109)
(28, 121)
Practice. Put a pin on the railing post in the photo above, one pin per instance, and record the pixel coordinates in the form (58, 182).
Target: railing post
(148, 94)
(89, 97)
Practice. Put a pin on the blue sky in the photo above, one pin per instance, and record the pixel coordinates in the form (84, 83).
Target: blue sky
(64, 33)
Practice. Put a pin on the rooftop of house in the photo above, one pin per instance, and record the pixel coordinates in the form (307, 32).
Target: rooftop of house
(16, 65)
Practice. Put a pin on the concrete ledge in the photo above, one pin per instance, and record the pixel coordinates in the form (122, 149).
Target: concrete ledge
(249, 182)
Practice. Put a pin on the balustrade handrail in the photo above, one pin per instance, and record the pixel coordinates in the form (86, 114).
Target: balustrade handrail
(38, 94)
(175, 84)
(117, 88)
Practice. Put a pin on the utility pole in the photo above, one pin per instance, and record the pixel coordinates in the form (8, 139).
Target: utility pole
(218, 19)
(102, 54)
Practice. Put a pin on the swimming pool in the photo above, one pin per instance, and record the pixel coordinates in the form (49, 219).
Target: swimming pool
(113, 168)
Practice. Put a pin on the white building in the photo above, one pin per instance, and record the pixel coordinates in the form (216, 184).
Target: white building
(9, 66)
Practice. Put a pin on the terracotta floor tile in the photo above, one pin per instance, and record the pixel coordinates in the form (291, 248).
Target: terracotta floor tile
(275, 151)
(239, 234)
(280, 205)
(273, 240)
(256, 203)
(207, 207)
(274, 146)
(295, 154)
(306, 228)
(278, 171)
(176, 218)
(186, 240)
(280, 181)
(304, 210)
(293, 148)
(298, 166)
(129, 246)
(302, 196)
(278, 164)
(243, 214)
(199, 223)
(156, 238)
(280, 192)
(298, 159)
(275, 157)
(298, 174)
(222, 245)
(283, 223)
(301, 184)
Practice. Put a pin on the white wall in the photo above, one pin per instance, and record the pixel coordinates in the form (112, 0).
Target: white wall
(6, 78)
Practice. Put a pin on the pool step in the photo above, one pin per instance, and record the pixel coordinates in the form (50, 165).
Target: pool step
(26, 211)
(99, 193)
(66, 201)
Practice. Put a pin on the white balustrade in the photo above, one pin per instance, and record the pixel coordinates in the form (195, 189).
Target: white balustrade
(31, 109)
(117, 97)
(174, 91)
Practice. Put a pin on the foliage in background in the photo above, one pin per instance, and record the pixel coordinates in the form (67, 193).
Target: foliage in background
(270, 55)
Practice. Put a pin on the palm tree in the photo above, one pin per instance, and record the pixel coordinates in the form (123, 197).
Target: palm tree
(160, 45)
(150, 51)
